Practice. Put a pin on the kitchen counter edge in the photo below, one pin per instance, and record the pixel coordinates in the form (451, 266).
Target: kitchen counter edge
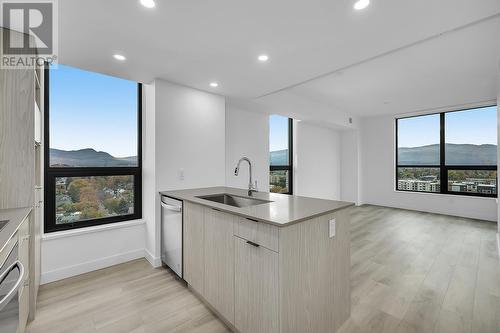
(15, 216)
(234, 210)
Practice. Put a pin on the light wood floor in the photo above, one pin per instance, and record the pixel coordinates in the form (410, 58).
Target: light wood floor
(411, 272)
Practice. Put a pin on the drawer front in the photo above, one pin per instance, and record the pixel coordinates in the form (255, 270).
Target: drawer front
(264, 234)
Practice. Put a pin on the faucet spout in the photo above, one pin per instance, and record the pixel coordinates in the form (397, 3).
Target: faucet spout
(251, 187)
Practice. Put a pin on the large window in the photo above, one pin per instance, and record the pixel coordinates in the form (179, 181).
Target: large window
(281, 154)
(92, 149)
(450, 153)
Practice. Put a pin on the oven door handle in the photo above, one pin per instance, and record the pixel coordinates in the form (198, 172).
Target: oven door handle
(6, 299)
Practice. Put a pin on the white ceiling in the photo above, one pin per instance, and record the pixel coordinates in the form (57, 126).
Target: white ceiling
(459, 68)
(413, 55)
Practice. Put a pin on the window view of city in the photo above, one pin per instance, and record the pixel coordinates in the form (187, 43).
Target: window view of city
(279, 156)
(84, 198)
(470, 145)
(464, 181)
(278, 180)
(93, 123)
(472, 181)
(419, 179)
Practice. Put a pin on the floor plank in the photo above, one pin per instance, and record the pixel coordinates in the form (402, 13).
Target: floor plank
(410, 272)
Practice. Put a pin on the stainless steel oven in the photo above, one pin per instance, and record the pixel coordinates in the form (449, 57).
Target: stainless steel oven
(11, 275)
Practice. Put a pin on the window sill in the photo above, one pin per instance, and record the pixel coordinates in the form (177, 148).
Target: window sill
(447, 195)
(90, 230)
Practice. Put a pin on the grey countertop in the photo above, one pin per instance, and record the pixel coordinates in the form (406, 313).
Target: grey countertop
(283, 209)
(15, 217)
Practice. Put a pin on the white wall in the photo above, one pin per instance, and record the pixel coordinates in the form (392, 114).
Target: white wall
(149, 193)
(183, 129)
(349, 162)
(317, 161)
(78, 251)
(189, 140)
(377, 178)
(247, 134)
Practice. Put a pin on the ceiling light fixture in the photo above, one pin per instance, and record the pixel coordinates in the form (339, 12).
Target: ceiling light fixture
(361, 4)
(263, 58)
(148, 3)
(119, 57)
(214, 84)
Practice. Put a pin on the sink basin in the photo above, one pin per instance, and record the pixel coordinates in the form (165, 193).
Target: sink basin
(3, 223)
(233, 200)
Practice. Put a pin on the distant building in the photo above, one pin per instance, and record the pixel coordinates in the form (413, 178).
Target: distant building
(61, 184)
(474, 185)
(486, 189)
(419, 185)
(458, 187)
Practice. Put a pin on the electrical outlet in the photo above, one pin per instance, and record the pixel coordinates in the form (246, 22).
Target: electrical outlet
(332, 227)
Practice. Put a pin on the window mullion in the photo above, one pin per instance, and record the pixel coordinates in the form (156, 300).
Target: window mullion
(442, 156)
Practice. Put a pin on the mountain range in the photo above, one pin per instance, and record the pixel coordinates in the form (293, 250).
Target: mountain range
(456, 154)
(279, 157)
(88, 157)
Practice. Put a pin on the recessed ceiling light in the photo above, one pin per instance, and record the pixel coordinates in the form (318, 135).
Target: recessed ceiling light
(148, 3)
(119, 57)
(263, 57)
(214, 84)
(361, 4)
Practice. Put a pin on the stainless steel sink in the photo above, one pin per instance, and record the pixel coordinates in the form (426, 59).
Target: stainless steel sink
(3, 223)
(233, 200)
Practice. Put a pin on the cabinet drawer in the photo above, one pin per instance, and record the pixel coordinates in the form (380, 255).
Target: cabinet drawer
(264, 234)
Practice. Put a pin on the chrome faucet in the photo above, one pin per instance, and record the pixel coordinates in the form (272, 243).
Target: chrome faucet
(251, 187)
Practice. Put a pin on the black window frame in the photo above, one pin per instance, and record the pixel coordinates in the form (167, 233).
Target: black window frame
(288, 167)
(443, 168)
(51, 173)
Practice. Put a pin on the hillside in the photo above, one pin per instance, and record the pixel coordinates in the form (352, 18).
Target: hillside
(88, 158)
(279, 157)
(456, 154)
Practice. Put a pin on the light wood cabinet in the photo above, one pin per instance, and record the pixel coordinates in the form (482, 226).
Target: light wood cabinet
(261, 233)
(256, 288)
(261, 278)
(23, 235)
(193, 250)
(219, 262)
(21, 160)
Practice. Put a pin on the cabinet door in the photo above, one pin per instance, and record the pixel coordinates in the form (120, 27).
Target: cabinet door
(193, 248)
(219, 262)
(24, 257)
(23, 307)
(256, 288)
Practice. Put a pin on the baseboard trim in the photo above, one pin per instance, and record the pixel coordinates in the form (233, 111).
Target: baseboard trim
(154, 261)
(89, 266)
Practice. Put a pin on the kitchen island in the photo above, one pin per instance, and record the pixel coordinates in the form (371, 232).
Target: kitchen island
(267, 262)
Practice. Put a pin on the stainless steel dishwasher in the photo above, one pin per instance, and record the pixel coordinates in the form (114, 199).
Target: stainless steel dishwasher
(11, 275)
(171, 234)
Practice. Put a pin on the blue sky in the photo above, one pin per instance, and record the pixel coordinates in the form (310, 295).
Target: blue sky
(278, 132)
(91, 110)
(478, 126)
